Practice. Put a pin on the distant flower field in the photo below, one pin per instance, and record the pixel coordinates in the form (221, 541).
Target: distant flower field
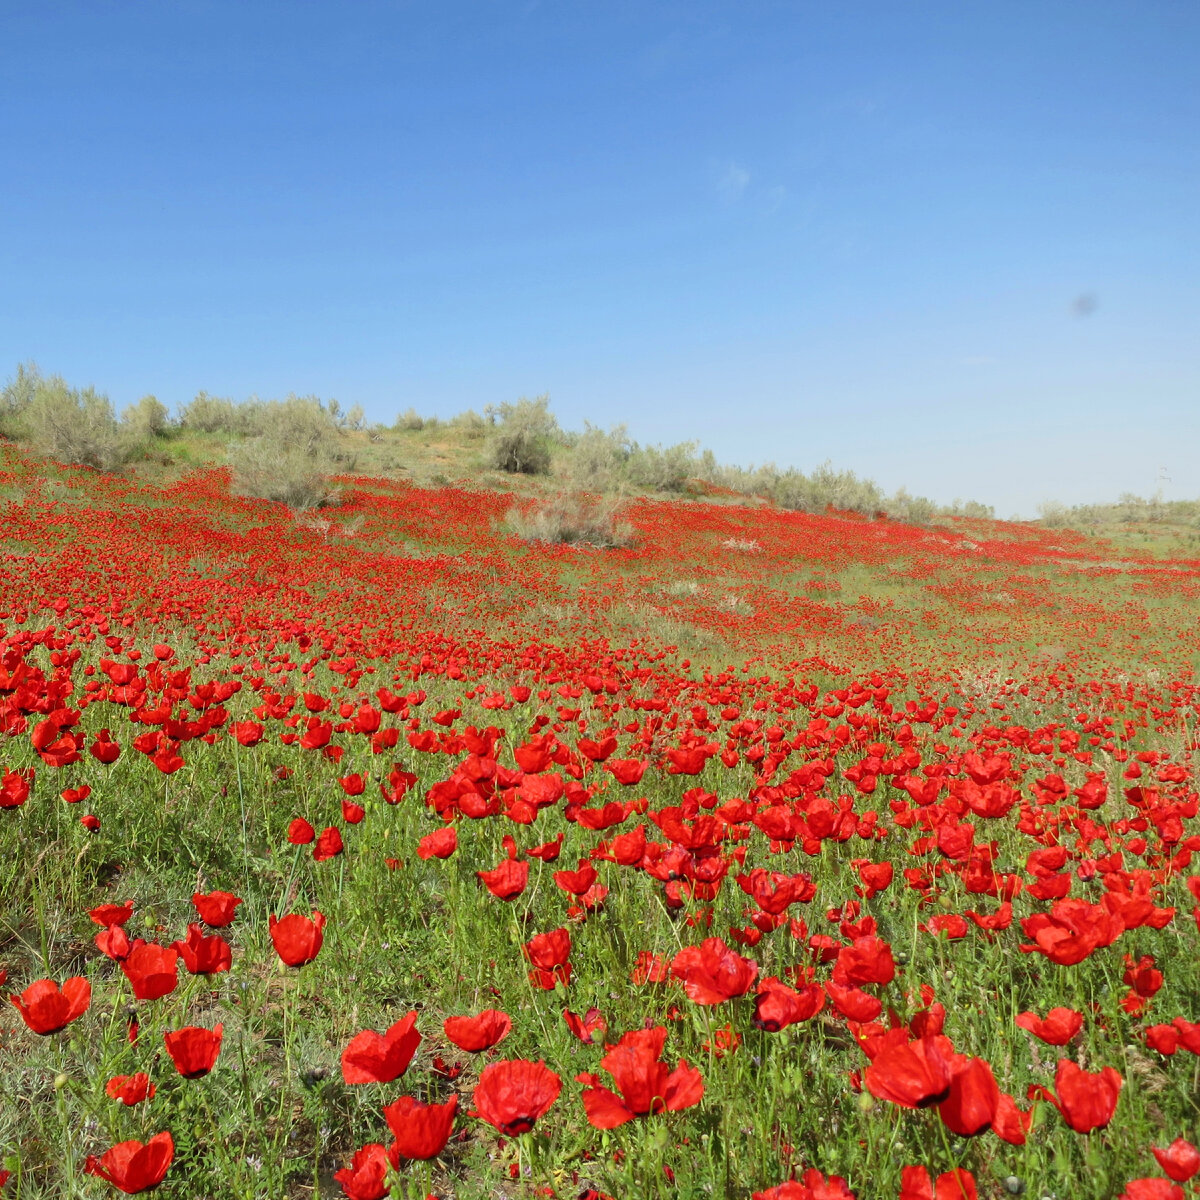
(772, 855)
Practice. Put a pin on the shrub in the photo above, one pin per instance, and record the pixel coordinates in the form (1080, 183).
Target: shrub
(209, 414)
(146, 419)
(69, 424)
(410, 421)
(571, 518)
(598, 460)
(659, 469)
(16, 397)
(912, 510)
(523, 435)
(292, 458)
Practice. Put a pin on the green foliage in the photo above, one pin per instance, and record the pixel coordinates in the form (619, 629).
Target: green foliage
(291, 456)
(597, 460)
(523, 436)
(663, 469)
(146, 419)
(409, 421)
(210, 414)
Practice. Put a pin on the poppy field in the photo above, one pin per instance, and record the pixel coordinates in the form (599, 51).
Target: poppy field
(775, 855)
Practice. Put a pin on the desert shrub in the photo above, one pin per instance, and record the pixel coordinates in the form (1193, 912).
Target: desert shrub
(597, 460)
(292, 457)
(523, 435)
(71, 425)
(1054, 515)
(146, 419)
(209, 414)
(660, 469)
(571, 518)
(16, 397)
(826, 488)
(469, 423)
(409, 421)
(912, 510)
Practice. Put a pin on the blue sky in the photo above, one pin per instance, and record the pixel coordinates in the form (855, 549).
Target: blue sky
(952, 246)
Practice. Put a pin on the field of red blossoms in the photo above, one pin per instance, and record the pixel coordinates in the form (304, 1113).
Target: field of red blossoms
(777, 856)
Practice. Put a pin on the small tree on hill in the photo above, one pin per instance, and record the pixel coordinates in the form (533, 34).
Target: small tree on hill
(525, 431)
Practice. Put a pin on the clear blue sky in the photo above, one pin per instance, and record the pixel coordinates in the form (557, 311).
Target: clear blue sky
(949, 245)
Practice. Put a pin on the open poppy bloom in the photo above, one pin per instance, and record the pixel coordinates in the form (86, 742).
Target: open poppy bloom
(776, 1006)
(1180, 1160)
(915, 1074)
(204, 955)
(298, 939)
(216, 909)
(645, 1084)
(1058, 1027)
(130, 1089)
(508, 880)
(132, 1167)
(379, 1058)
(1085, 1099)
(194, 1050)
(584, 1027)
(548, 954)
(441, 843)
(480, 1032)
(713, 973)
(152, 970)
(46, 1009)
(512, 1094)
(421, 1130)
(366, 1176)
(915, 1184)
(105, 915)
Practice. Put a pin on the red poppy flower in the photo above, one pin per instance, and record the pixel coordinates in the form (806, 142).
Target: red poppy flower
(248, 733)
(421, 1130)
(576, 882)
(132, 1167)
(626, 771)
(649, 968)
(297, 939)
(776, 1006)
(866, 960)
(130, 1089)
(152, 970)
(352, 813)
(584, 1027)
(216, 909)
(508, 880)
(366, 1176)
(300, 832)
(105, 915)
(713, 973)
(1180, 1160)
(915, 1184)
(114, 943)
(512, 1094)
(548, 954)
(645, 1084)
(328, 845)
(970, 1108)
(90, 822)
(379, 1058)
(1071, 930)
(204, 955)
(441, 843)
(193, 1049)
(1087, 1100)
(1152, 1188)
(480, 1032)
(913, 1074)
(1057, 1029)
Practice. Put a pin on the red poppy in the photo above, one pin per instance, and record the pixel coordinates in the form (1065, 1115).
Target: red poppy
(512, 1094)
(193, 1049)
(105, 915)
(776, 1006)
(421, 1130)
(576, 882)
(90, 822)
(132, 1167)
(970, 1108)
(204, 955)
(379, 1058)
(130, 1089)
(1071, 930)
(713, 973)
(1057, 1029)
(366, 1176)
(1087, 1100)
(441, 843)
(1180, 1160)
(1152, 1188)
(645, 1084)
(114, 943)
(626, 771)
(480, 1032)
(328, 845)
(352, 813)
(508, 880)
(913, 1074)
(216, 909)
(548, 954)
(300, 832)
(584, 1027)
(297, 938)
(152, 970)
(865, 960)
(915, 1184)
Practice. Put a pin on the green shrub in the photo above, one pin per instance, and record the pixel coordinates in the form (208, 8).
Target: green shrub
(210, 414)
(598, 460)
(664, 469)
(571, 518)
(409, 421)
(146, 419)
(523, 436)
(68, 424)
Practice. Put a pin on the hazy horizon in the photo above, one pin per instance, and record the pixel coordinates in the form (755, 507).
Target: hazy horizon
(953, 250)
